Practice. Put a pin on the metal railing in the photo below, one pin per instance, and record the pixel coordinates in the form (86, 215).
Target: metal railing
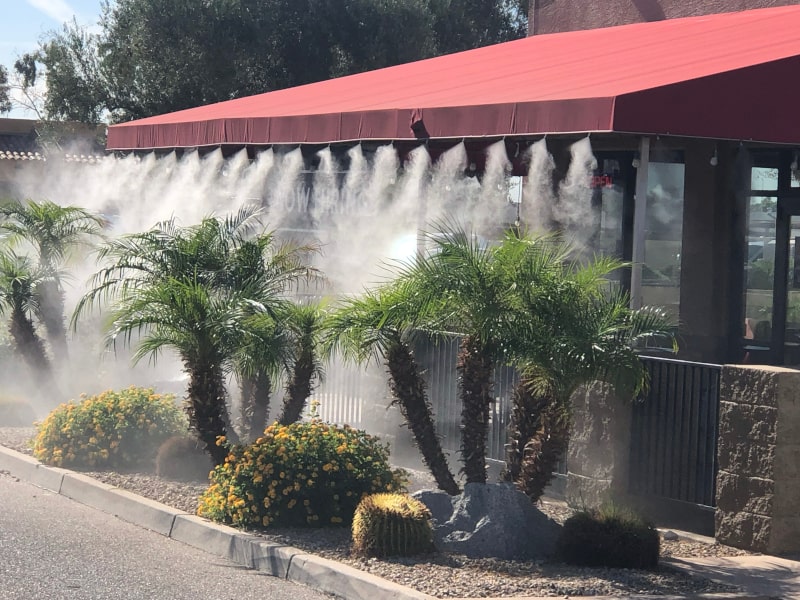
(438, 359)
(674, 432)
(673, 435)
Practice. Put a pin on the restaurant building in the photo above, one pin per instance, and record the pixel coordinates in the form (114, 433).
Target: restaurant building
(693, 123)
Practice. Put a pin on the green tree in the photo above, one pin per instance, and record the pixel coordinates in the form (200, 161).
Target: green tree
(366, 35)
(569, 329)
(20, 278)
(5, 99)
(202, 325)
(306, 325)
(263, 270)
(157, 56)
(54, 232)
(226, 279)
(69, 58)
(379, 326)
(464, 277)
(464, 24)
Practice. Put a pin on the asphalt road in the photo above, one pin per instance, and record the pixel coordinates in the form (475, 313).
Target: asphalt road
(54, 548)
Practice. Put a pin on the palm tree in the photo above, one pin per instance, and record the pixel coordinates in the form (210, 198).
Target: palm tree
(20, 278)
(257, 363)
(215, 261)
(203, 325)
(463, 276)
(569, 329)
(305, 324)
(378, 326)
(264, 270)
(54, 231)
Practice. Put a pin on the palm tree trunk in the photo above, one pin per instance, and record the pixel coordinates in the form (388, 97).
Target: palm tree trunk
(538, 437)
(256, 394)
(32, 350)
(206, 407)
(299, 388)
(408, 389)
(52, 307)
(525, 411)
(262, 393)
(247, 388)
(475, 383)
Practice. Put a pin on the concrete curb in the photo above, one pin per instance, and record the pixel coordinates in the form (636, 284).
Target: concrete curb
(345, 581)
(31, 470)
(274, 559)
(638, 597)
(221, 540)
(242, 548)
(120, 503)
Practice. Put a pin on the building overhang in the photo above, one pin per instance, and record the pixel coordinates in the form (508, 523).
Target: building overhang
(727, 76)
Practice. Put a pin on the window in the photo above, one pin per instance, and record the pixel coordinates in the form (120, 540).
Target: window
(661, 272)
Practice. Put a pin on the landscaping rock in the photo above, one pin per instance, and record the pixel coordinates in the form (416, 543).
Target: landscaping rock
(490, 521)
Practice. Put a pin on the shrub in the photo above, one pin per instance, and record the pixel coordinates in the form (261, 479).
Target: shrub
(303, 474)
(182, 458)
(609, 537)
(113, 429)
(15, 412)
(391, 525)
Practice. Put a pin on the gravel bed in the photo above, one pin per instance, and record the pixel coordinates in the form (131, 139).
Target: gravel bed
(440, 574)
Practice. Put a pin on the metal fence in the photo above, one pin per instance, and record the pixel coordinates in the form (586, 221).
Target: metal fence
(674, 428)
(674, 432)
(437, 359)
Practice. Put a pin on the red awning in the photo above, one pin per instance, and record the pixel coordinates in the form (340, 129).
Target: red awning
(728, 76)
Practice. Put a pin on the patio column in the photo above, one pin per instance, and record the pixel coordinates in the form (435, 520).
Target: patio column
(599, 447)
(758, 484)
(639, 222)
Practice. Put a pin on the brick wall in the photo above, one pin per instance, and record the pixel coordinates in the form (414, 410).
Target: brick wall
(553, 16)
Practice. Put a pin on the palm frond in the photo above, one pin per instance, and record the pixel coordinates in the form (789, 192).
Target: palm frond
(52, 229)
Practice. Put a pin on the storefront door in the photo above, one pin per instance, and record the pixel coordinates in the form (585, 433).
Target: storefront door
(786, 293)
(772, 263)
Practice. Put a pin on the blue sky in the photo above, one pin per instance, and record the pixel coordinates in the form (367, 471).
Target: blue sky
(23, 22)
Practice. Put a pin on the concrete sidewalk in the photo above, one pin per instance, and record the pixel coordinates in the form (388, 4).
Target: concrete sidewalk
(762, 577)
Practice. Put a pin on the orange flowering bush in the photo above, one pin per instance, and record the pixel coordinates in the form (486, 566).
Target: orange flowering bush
(304, 474)
(112, 429)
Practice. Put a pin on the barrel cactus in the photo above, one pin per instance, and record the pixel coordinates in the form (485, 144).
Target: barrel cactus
(391, 525)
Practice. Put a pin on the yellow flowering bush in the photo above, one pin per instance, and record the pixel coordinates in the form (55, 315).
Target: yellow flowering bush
(304, 474)
(113, 429)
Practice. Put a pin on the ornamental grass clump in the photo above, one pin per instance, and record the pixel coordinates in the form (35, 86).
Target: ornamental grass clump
(304, 474)
(182, 458)
(115, 429)
(609, 537)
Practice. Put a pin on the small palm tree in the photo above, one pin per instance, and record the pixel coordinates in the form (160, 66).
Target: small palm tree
(20, 278)
(379, 326)
(54, 231)
(305, 324)
(569, 329)
(265, 270)
(463, 278)
(188, 273)
(203, 326)
(257, 362)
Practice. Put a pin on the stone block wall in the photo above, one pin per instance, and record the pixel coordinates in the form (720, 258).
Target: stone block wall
(599, 447)
(758, 484)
